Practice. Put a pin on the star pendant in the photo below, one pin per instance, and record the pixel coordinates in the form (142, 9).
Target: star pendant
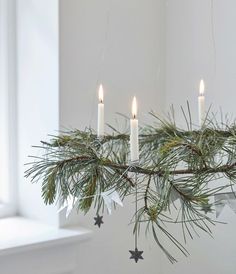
(136, 255)
(98, 220)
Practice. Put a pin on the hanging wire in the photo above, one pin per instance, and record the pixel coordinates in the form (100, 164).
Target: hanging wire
(136, 209)
(213, 34)
(103, 51)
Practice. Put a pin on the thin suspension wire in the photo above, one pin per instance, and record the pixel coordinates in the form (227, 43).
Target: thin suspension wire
(102, 55)
(105, 46)
(213, 34)
(136, 209)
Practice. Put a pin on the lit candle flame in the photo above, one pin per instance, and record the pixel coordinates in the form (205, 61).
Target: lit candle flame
(134, 108)
(100, 94)
(201, 88)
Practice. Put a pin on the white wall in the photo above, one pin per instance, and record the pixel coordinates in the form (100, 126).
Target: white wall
(132, 65)
(38, 108)
(133, 56)
(190, 55)
(128, 56)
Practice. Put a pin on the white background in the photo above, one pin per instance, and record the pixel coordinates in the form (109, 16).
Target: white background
(157, 50)
(131, 66)
(191, 55)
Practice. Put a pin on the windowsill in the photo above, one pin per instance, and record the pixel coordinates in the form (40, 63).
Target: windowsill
(20, 234)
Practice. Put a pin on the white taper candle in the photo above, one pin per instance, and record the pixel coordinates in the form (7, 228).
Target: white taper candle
(100, 128)
(134, 142)
(201, 104)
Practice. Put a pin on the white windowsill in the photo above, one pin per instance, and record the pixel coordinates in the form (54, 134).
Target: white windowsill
(19, 234)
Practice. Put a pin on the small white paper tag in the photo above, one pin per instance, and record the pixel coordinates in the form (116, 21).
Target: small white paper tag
(69, 205)
(109, 197)
(223, 199)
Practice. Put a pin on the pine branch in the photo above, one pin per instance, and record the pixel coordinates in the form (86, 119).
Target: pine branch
(172, 160)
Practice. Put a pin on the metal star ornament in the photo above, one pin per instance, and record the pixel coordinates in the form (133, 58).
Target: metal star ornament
(136, 255)
(98, 220)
